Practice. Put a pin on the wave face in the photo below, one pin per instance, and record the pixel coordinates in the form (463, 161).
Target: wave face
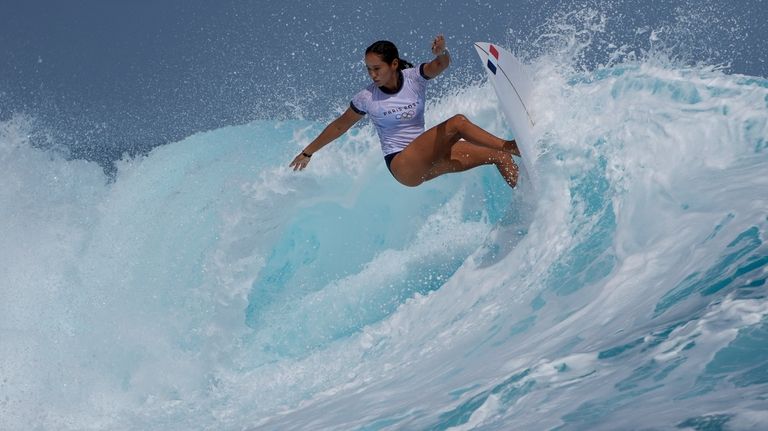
(206, 286)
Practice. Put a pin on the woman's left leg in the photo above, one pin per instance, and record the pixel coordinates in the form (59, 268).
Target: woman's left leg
(432, 153)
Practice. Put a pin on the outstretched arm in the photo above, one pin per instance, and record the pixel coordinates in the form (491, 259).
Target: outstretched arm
(442, 59)
(331, 132)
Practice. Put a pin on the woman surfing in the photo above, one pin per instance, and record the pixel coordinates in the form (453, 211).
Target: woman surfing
(395, 102)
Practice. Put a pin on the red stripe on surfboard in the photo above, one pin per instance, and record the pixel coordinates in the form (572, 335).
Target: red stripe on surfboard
(494, 52)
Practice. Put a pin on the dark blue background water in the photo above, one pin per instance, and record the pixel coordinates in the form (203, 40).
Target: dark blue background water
(108, 77)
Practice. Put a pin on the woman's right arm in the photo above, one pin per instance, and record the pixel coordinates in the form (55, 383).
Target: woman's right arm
(331, 132)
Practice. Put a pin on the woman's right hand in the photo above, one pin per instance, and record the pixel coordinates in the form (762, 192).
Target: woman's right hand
(299, 162)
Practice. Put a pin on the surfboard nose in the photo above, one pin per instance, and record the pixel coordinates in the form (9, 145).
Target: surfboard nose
(482, 49)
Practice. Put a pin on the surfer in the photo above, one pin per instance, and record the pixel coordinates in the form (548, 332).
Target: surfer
(395, 102)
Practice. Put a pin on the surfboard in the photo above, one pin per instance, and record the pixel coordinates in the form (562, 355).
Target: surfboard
(514, 87)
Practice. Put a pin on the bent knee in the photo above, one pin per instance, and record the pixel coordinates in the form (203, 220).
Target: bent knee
(457, 121)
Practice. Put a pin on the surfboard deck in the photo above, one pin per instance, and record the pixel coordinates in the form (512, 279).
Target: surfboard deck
(514, 88)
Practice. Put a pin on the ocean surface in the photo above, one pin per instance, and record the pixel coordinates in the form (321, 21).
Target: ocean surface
(197, 283)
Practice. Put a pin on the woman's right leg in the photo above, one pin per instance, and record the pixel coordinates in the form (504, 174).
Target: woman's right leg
(466, 155)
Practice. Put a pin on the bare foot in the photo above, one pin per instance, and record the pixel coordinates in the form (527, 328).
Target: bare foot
(511, 147)
(508, 170)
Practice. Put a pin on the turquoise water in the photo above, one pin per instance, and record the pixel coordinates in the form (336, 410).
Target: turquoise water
(207, 286)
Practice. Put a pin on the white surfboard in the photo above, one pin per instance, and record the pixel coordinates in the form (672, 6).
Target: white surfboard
(514, 88)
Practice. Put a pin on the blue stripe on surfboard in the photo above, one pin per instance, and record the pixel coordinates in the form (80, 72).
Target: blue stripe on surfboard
(525, 108)
(491, 67)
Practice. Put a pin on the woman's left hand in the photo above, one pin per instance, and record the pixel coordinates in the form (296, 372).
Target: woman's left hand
(438, 45)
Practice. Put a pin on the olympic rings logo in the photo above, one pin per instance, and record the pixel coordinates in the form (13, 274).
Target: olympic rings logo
(407, 115)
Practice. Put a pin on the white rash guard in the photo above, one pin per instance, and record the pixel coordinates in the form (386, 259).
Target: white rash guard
(398, 116)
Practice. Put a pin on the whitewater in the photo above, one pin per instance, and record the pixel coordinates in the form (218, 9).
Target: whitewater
(207, 286)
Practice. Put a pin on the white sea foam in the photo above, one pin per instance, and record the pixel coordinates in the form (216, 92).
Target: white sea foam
(210, 287)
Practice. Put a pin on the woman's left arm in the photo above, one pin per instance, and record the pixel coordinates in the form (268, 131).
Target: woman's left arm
(442, 59)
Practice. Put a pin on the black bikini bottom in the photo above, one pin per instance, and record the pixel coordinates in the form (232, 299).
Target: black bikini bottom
(388, 159)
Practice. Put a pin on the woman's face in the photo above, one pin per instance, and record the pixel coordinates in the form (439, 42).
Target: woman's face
(382, 74)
